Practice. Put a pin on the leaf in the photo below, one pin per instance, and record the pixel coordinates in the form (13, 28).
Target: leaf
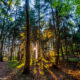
(11, 19)
(17, 2)
(78, 11)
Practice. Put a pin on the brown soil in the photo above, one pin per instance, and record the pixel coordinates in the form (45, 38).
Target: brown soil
(3, 70)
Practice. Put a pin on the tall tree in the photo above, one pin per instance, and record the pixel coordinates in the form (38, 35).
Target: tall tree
(27, 54)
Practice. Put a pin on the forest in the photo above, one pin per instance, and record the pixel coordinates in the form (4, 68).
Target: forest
(39, 39)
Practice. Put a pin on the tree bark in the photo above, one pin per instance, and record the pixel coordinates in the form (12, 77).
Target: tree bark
(1, 50)
(57, 37)
(66, 49)
(11, 55)
(62, 51)
(27, 54)
(56, 34)
(2, 42)
(39, 46)
(18, 55)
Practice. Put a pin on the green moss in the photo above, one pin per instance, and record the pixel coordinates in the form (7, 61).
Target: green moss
(74, 59)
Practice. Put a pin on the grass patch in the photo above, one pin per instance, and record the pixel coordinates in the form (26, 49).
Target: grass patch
(12, 64)
(74, 59)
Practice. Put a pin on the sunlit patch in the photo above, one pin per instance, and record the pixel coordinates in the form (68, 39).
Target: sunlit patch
(20, 66)
(41, 72)
(34, 71)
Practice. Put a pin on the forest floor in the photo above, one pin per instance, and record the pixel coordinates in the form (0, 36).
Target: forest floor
(60, 73)
(8, 69)
(41, 71)
(3, 70)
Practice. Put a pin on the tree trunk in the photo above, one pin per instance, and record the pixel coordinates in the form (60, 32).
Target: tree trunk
(27, 54)
(66, 50)
(18, 55)
(62, 51)
(2, 42)
(1, 51)
(57, 37)
(11, 55)
(57, 49)
(72, 51)
(56, 34)
(39, 49)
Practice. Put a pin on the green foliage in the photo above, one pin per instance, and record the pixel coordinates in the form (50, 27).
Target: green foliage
(74, 59)
(78, 11)
(11, 19)
(12, 64)
(55, 3)
(63, 7)
(10, 2)
(17, 2)
(77, 2)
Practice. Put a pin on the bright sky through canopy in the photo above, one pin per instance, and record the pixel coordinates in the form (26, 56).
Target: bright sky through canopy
(31, 3)
(22, 3)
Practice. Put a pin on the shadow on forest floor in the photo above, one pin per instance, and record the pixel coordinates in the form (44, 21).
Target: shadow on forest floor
(60, 75)
(43, 73)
